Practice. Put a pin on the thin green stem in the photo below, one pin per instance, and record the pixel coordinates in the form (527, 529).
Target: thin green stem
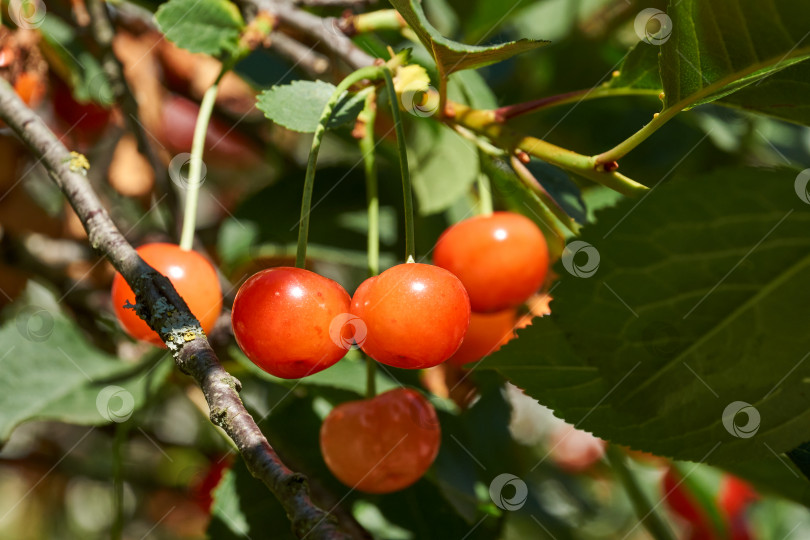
(195, 166)
(119, 442)
(368, 116)
(623, 148)
(644, 508)
(371, 72)
(548, 201)
(371, 377)
(407, 192)
(484, 195)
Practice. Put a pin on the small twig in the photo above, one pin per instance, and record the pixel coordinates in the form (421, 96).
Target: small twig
(103, 31)
(306, 58)
(167, 313)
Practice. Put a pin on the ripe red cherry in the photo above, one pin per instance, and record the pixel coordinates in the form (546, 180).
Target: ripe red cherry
(192, 276)
(382, 444)
(286, 320)
(486, 334)
(89, 119)
(683, 503)
(415, 315)
(502, 259)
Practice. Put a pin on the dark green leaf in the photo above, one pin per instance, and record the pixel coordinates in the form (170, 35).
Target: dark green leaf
(202, 26)
(720, 46)
(452, 55)
(784, 95)
(639, 69)
(697, 300)
(50, 372)
(298, 106)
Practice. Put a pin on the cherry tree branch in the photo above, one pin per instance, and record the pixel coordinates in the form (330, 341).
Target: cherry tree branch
(166, 312)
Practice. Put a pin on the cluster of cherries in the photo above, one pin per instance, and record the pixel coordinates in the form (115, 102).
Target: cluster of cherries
(292, 323)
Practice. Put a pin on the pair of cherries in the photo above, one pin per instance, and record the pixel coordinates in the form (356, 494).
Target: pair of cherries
(292, 322)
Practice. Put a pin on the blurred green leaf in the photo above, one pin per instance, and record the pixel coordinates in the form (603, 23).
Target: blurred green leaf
(443, 166)
(50, 372)
(75, 64)
(202, 26)
(718, 47)
(452, 55)
(690, 300)
(639, 69)
(298, 105)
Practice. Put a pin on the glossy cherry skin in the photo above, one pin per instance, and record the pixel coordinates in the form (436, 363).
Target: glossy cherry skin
(383, 444)
(193, 277)
(486, 334)
(284, 321)
(502, 259)
(415, 315)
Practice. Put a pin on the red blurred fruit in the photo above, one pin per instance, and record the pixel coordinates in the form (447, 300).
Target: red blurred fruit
(88, 121)
(485, 335)
(193, 277)
(502, 259)
(284, 321)
(224, 146)
(203, 491)
(383, 444)
(415, 315)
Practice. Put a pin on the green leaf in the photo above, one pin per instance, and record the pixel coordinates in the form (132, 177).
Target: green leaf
(202, 26)
(720, 46)
(639, 69)
(784, 95)
(74, 63)
(698, 299)
(451, 55)
(243, 508)
(50, 372)
(298, 105)
(443, 166)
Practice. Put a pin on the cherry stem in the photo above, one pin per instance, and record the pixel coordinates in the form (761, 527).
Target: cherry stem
(646, 512)
(484, 195)
(367, 118)
(407, 192)
(371, 72)
(195, 165)
(545, 198)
